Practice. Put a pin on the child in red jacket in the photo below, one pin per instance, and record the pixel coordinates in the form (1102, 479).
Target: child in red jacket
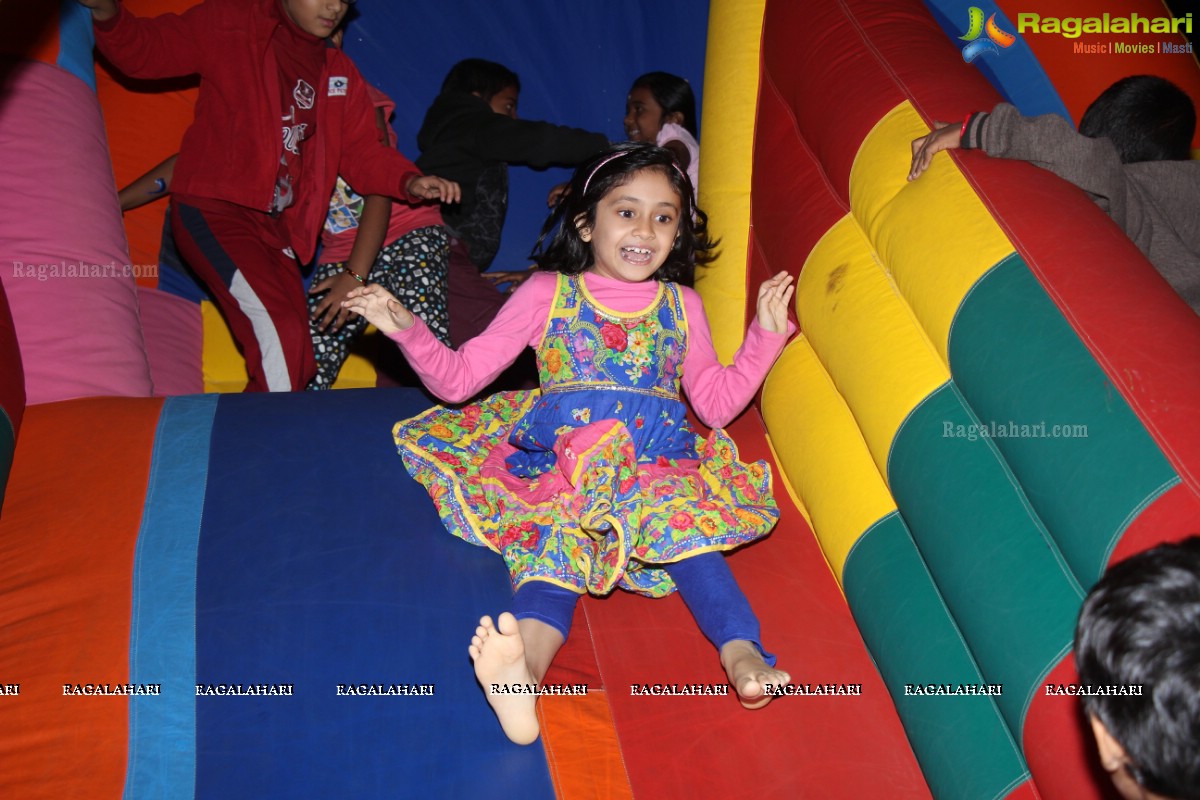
(279, 116)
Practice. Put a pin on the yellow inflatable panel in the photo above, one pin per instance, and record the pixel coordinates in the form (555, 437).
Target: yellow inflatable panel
(358, 372)
(730, 103)
(821, 452)
(222, 362)
(225, 369)
(781, 479)
(933, 235)
(866, 336)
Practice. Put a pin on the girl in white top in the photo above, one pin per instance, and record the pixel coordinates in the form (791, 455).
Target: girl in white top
(661, 109)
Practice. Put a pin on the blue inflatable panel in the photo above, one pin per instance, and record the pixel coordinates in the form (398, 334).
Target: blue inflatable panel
(162, 641)
(76, 41)
(306, 586)
(1013, 70)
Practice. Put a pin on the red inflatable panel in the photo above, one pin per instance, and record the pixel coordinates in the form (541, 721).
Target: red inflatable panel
(861, 750)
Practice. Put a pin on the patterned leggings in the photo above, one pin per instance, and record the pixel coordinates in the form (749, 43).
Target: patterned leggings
(413, 268)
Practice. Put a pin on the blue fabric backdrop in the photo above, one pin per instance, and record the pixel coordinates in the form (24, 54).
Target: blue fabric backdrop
(575, 60)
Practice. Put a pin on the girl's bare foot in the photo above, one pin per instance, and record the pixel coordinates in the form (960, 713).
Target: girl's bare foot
(749, 674)
(499, 655)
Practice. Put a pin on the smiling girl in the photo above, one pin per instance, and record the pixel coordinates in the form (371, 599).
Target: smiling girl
(598, 481)
(661, 109)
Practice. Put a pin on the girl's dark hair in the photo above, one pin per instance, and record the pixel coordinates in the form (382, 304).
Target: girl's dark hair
(1146, 117)
(673, 93)
(477, 76)
(567, 252)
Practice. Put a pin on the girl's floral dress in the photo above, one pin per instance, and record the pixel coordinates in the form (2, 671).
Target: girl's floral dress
(597, 479)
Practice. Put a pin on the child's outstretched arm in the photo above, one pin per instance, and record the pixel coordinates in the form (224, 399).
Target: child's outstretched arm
(457, 375)
(380, 308)
(944, 136)
(514, 278)
(1048, 141)
(1052, 143)
(431, 187)
(368, 241)
(165, 46)
(371, 165)
(372, 231)
(719, 393)
(149, 187)
(680, 151)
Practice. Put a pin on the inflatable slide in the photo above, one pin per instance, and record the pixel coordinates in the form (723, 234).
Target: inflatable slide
(992, 396)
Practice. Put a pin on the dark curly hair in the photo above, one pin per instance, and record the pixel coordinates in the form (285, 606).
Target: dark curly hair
(1148, 118)
(478, 76)
(1140, 626)
(566, 251)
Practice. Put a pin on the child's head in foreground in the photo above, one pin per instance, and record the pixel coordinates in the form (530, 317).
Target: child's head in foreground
(1140, 625)
(1146, 117)
(629, 210)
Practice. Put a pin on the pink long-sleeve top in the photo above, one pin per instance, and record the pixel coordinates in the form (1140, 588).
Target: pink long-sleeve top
(717, 393)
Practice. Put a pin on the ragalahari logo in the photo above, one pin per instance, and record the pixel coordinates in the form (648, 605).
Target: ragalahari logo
(995, 36)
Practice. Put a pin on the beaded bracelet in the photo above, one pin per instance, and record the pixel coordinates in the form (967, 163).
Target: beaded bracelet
(353, 274)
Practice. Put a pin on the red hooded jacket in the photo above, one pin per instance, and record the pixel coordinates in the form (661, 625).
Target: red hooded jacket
(231, 151)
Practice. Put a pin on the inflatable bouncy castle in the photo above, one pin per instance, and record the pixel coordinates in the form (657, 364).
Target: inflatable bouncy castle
(992, 396)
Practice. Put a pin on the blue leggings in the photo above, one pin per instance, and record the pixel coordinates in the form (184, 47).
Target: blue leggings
(705, 583)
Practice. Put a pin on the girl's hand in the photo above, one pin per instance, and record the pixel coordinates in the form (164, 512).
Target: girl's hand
(774, 299)
(380, 308)
(513, 279)
(330, 311)
(431, 187)
(945, 136)
(102, 10)
(557, 193)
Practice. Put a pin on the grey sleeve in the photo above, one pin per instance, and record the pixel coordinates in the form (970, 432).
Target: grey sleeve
(1051, 143)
